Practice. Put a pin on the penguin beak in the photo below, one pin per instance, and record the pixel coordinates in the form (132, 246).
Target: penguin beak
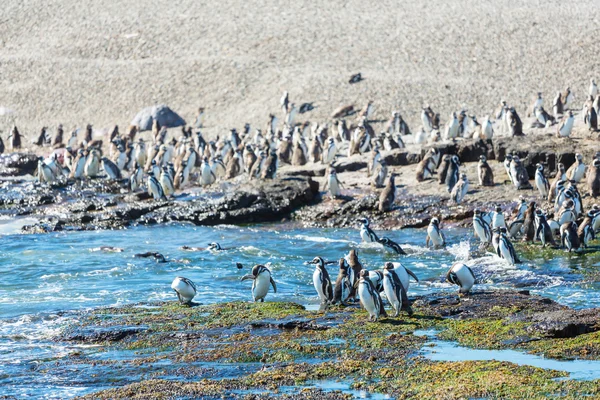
(246, 277)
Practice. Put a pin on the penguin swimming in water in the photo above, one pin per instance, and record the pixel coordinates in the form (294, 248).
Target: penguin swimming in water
(262, 279)
(369, 297)
(482, 228)
(394, 290)
(185, 289)
(568, 236)
(435, 234)
(322, 282)
(390, 244)
(462, 276)
(343, 287)
(366, 233)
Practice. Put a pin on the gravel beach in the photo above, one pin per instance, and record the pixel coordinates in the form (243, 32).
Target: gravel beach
(99, 62)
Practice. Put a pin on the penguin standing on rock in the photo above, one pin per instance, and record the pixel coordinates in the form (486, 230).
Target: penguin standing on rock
(541, 182)
(322, 282)
(369, 297)
(460, 189)
(585, 232)
(185, 289)
(484, 172)
(262, 279)
(568, 236)
(388, 195)
(543, 231)
(394, 290)
(518, 172)
(154, 187)
(435, 234)
(462, 276)
(344, 283)
(593, 179)
(333, 183)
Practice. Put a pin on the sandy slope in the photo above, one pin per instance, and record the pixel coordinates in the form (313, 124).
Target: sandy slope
(100, 61)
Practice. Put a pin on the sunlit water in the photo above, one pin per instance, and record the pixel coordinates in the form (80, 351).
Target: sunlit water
(43, 275)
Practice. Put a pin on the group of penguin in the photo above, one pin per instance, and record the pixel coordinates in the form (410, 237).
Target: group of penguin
(352, 280)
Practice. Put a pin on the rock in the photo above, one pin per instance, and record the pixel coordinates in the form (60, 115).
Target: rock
(18, 164)
(565, 323)
(163, 114)
(401, 157)
(98, 335)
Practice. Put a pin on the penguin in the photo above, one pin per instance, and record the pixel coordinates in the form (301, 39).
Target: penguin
(444, 170)
(388, 195)
(315, 151)
(185, 289)
(366, 233)
(135, 180)
(590, 118)
(72, 143)
(518, 172)
(543, 119)
(78, 169)
(217, 167)
(390, 244)
(498, 218)
(561, 175)
(593, 179)
(557, 105)
(394, 290)
(57, 141)
(568, 236)
(41, 139)
(355, 78)
(379, 174)
(487, 129)
(207, 176)
(506, 249)
(460, 189)
(92, 165)
(333, 183)
(593, 90)
(484, 172)
(250, 158)
(322, 282)
(166, 183)
(421, 137)
(543, 231)
(507, 161)
(329, 153)
(111, 169)
(541, 182)
(270, 169)
(425, 168)
(426, 119)
(343, 287)
(482, 228)
(298, 155)
(258, 165)
(435, 234)
(538, 102)
(514, 123)
(461, 275)
(451, 130)
(585, 231)
(234, 166)
(261, 280)
(369, 297)
(44, 172)
(376, 278)
(120, 158)
(528, 226)
(566, 125)
(374, 159)
(567, 212)
(154, 188)
(453, 173)
(576, 171)
(356, 266)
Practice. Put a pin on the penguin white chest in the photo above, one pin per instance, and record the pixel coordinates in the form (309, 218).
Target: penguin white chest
(435, 236)
(334, 187)
(367, 299)
(390, 290)
(185, 290)
(318, 283)
(364, 234)
(260, 286)
(505, 252)
(579, 173)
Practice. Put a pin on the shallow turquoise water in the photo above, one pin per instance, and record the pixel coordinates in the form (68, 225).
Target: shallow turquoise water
(43, 275)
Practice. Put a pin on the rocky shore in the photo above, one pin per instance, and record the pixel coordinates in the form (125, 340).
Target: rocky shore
(265, 347)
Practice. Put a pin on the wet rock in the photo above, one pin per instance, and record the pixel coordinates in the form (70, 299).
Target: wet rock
(18, 164)
(290, 323)
(565, 323)
(98, 335)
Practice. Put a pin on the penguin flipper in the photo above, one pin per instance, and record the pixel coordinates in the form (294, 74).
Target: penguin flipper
(273, 284)
(427, 241)
(411, 273)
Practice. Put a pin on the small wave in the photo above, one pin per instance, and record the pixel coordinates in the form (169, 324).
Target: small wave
(318, 239)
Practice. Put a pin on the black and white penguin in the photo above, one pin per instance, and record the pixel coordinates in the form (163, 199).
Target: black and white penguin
(390, 244)
(590, 118)
(185, 289)
(207, 176)
(136, 178)
(462, 276)
(154, 188)
(460, 190)
(506, 249)
(92, 165)
(543, 232)
(322, 282)
(435, 234)
(453, 174)
(498, 218)
(566, 125)
(568, 236)
(482, 228)
(394, 290)
(112, 170)
(45, 174)
(343, 287)
(388, 195)
(585, 231)
(379, 174)
(541, 182)
(329, 152)
(366, 233)
(561, 176)
(262, 280)
(333, 184)
(484, 172)
(369, 297)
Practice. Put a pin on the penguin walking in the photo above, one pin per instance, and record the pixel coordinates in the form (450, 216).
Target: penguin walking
(541, 182)
(154, 187)
(261, 281)
(453, 173)
(484, 172)
(322, 282)
(460, 189)
(388, 195)
(185, 289)
(343, 287)
(393, 246)
(369, 297)
(482, 228)
(568, 236)
(506, 249)
(394, 290)
(435, 234)
(462, 276)
(366, 233)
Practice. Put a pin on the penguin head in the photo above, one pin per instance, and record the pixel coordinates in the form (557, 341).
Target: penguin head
(318, 261)
(388, 265)
(498, 209)
(579, 157)
(364, 274)
(343, 265)
(214, 246)
(596, 163)
(364, 221)
(455, 159)
(434, 221)
(482, 159)
(539, 167)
